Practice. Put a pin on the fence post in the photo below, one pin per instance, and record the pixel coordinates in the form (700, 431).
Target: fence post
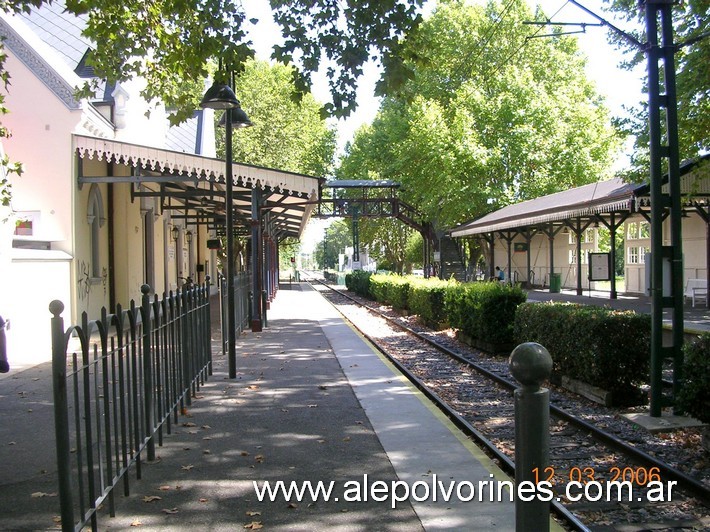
(61, 415)
(531, 365)
(148, 370)
(207, 325)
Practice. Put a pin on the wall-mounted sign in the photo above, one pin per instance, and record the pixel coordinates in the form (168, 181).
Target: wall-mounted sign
(599, 266)
(520, 247)
(437, 256)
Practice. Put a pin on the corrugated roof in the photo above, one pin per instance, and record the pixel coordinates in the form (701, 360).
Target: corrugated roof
(604, 196)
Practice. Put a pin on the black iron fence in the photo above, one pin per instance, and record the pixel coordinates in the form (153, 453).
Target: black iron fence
(242, 304)
(118, 381)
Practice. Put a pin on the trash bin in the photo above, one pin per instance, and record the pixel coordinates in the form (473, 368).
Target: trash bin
(555, 283)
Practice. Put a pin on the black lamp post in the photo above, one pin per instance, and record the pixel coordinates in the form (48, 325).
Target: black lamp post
(221, 96)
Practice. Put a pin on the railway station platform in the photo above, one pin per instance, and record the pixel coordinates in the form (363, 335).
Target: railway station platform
(312, 402)
(696, 320)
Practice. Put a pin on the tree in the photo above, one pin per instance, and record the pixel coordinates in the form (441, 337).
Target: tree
(287, 134)
(337, 237)
(692, 36)
(390, 242)
(171, 44)
(489, 117)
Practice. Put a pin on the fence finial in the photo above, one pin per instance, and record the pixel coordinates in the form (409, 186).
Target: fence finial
(56, 307)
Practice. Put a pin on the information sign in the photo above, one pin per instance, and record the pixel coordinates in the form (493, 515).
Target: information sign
(599, 266)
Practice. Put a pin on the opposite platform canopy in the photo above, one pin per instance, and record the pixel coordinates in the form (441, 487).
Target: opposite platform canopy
(593, 200)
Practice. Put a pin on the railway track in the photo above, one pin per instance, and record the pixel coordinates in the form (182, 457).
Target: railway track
(585, 444)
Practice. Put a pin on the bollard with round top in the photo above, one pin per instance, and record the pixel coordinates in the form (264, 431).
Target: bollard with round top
(531, 365)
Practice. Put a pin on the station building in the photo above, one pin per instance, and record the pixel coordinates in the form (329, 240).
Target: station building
(112, 196)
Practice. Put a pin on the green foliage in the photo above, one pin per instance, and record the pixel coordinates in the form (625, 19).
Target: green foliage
(694, 395)
(347, 35)
(603, 347)
(359, 282)
(691, 26)
(501, 120)
(379, 287)
(391, 289)
(484, 311)
(426, 299)
(286, 134)
(288, 248)
(338, 236)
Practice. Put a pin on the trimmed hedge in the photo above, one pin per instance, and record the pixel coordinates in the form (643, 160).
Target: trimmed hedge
(694, 395)
(485, 312)
(359, 282)
(390, 289)
(426, 298)
(600, 346)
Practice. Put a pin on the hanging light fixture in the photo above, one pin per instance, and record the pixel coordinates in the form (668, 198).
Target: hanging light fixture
(219, 96)
(176, 232)
(188, 237)
(239, 118)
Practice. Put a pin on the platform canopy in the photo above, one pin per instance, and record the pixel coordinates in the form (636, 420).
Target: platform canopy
(602, 197)
(362, 183)
(593, 201)
(194, 185)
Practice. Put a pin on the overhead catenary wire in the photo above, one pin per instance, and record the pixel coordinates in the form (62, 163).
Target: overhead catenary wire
(483, 41)
(516, 51)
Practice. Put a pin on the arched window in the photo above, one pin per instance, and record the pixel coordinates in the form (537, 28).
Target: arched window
(96, 219)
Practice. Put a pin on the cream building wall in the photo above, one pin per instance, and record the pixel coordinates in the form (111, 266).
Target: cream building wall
(564, 249)
(638, 241)
(60, 211)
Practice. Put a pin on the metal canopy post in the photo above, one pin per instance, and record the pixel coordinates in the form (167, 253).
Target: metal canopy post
(612, 226)
(356, 233)
(229, 208)
(662, 149)
(256, 260)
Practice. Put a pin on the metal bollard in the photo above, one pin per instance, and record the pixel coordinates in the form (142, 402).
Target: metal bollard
(531, 365)
(61, 415)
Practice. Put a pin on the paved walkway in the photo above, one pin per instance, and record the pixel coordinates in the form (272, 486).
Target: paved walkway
(312, 402)
(694, 319)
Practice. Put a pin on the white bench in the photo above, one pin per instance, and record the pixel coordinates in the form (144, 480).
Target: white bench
(696, 289)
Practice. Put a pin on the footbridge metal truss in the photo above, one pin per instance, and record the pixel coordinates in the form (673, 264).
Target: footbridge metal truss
(357, 199)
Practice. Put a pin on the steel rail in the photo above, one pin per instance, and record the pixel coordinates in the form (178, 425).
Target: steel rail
(469, 430)
(685, 482)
